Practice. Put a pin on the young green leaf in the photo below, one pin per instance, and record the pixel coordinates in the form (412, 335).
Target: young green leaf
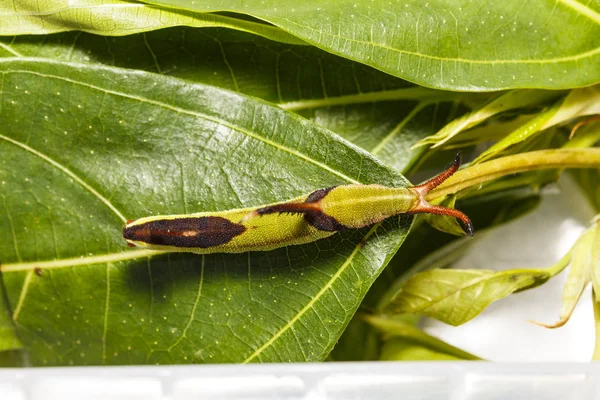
(403, 349)
(596, 303)
(118, 18)
(404, 341)
(85, 147)
(594, 254)
(578, 103)
(457, 296)
(494, 130)
(443, 222)
(503, 102)
(580, 274)
(520, 135)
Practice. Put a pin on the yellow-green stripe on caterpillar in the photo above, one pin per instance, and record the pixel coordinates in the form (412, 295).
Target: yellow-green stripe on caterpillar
(306, 219)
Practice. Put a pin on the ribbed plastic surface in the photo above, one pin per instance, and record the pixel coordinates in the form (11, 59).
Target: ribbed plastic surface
(326, 381)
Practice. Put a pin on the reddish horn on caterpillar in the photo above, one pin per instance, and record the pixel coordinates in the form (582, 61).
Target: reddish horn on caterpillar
(425, 207)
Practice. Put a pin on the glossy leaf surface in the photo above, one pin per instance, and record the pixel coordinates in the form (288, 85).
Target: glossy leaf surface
(88, 147)
(117, 18)
(380, 113)
(480, 45)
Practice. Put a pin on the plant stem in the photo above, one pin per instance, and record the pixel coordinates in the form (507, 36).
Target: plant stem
(484, 172)
(411, 93)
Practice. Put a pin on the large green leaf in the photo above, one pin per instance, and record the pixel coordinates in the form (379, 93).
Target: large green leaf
(225, 58)
(84, 147)
(389, 130)
(480, 45)
(378, 112)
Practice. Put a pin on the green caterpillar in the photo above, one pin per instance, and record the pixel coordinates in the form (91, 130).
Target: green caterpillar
(306, 219)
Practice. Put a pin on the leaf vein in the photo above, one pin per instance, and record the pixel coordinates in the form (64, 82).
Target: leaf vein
(576, 57)
(22, 295)
(398, 128)
(582, 9)
(106, 307)
(193, 313)
(73, 262)
(68, 173)
(312, 301)
(10, 50)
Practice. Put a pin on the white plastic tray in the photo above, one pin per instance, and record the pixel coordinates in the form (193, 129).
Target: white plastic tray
(325, 381)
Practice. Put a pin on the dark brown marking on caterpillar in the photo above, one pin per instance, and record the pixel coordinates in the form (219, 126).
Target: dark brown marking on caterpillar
(323, 222)
(202, 232)
(311, 209)
(320, 220)
(318, 195)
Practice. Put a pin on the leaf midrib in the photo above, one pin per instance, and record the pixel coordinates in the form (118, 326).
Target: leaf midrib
(582, 9)
(575, 57)
(469, 284)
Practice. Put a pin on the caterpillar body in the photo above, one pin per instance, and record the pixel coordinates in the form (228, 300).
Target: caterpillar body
(306, 219)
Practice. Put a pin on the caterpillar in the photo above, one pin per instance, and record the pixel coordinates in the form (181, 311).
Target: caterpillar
(305, 219)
